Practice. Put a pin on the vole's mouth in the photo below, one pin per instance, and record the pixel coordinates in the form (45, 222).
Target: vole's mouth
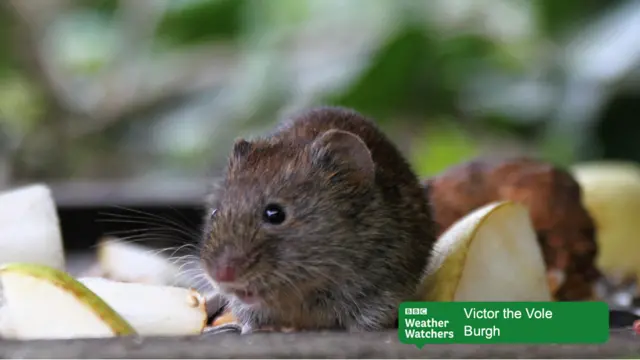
(242, 293)
(246, 296)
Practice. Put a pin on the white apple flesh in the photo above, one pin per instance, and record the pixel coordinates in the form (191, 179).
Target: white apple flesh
(153, 310)
(611, 194)
(129, 262)
(491, 254)
(29, 227)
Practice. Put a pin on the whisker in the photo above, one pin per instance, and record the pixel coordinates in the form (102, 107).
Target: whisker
(155, 216)
(190, 266)
(146, 219)
(188, 262)
(184, 248)
(153, 219)
(148, 238)
(155, 228)
(134, 231)
(167, 227)
(186, 272)
(160, 252)
(183, 217)
(145, 231)
(200, 281)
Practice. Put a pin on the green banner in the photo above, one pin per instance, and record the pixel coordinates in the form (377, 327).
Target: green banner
(422, 323)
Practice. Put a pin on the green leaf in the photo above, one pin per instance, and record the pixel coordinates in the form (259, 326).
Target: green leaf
(105, 7)
(415, 73)
(446, 144)
(463, 55)
(557, 16)
(393, 78)
(7, 60)
(202, 21)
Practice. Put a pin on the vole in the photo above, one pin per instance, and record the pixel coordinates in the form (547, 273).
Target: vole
(320, 224)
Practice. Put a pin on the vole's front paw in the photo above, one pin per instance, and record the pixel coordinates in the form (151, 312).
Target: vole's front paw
(367, 326)
(252, 329)
(247, 329)
(280, 329)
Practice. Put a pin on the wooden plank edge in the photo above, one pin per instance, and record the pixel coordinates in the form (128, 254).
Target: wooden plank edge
(307, 345)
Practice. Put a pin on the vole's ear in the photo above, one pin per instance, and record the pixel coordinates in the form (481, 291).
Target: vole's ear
(345, 149)
(241, 148)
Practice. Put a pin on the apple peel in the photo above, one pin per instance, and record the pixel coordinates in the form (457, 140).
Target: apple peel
(41, 302)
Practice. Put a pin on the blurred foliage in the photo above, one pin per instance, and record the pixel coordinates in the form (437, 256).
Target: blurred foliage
(7, 62)
(426, 70)
(417, 73)
(393, 78)
(556, 17)
(106, 7)
(447, 144)
(202, 21)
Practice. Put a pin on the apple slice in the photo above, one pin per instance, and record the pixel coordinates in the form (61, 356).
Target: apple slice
(6, 328)
(41, 302)
(611, 194)
(129, 262)
(153, 309)
(29, 227)
(491, 254)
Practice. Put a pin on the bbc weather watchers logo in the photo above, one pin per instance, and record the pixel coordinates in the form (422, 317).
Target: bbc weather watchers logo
(415, 311)
(463, 322)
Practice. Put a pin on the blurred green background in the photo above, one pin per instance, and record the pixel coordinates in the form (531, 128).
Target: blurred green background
(156, 90)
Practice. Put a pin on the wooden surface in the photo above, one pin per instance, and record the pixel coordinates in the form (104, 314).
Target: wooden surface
(623, 344)
(307, 345)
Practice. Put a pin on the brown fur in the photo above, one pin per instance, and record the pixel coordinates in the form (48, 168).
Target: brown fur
(358, 232)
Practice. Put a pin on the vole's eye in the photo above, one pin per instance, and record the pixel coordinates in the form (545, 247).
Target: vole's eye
(213, 213)
(274, 214)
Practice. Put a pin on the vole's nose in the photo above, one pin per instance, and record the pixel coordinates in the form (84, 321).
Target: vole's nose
(225, 268)
(223, 273)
